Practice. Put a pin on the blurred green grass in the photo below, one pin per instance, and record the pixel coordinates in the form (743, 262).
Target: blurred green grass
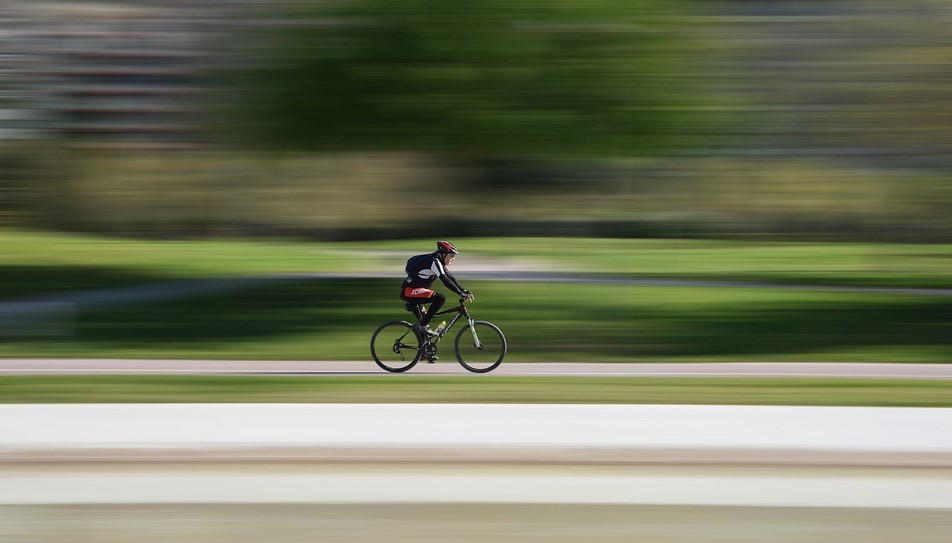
(38, 262)
(332, 319)
(485, 389)
(811, 263)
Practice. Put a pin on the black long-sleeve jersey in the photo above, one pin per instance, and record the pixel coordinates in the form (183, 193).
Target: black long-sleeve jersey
(422, 270)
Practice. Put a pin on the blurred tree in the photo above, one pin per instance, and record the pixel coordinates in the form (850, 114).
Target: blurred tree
(480, 78)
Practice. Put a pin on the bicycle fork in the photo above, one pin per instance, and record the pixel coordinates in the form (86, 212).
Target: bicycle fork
(472, 328)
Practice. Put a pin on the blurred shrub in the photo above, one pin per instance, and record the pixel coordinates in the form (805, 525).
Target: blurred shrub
(382, 118)
(394, 195)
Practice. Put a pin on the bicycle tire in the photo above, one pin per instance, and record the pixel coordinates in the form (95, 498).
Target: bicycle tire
(487, 358)
(389, 351)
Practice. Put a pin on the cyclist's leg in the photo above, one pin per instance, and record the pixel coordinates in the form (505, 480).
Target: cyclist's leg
(422, 296)
(437, 302)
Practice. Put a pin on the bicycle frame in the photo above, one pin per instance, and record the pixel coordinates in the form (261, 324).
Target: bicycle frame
(460, 311)
(387, 342)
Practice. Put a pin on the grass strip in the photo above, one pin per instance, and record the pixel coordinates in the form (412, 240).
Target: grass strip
(808, 263)
(334, 319)
(474, 389)
(35, 262)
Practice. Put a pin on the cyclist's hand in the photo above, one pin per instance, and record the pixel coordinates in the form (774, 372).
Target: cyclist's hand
(467, 295)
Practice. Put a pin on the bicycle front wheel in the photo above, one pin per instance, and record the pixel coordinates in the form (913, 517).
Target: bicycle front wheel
(395, 346)
(480, 348)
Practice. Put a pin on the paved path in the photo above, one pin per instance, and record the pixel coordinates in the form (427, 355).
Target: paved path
(483, 434)
(429, 522)
(451, 453)
(893, 489)
(22, 366)
(668, 427)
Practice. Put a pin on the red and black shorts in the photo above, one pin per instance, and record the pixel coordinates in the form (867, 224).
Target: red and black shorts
(418, 295)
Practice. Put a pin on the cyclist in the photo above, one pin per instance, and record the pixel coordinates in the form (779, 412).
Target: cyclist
(422, 270)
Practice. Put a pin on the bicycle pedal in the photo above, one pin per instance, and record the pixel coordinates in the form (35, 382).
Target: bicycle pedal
(432, 359)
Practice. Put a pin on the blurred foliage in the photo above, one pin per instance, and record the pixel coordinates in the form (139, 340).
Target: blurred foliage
(370, 119)
(474, 78)
(379, 195)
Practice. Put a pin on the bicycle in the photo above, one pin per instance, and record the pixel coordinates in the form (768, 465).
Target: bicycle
(397, 346)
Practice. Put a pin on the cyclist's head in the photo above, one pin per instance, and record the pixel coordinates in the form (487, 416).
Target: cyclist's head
(446, 248)
(446, 251)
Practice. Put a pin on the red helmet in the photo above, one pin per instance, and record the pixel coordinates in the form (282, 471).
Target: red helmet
(445, 247)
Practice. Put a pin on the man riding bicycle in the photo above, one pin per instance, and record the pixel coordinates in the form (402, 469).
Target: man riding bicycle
(422, 270)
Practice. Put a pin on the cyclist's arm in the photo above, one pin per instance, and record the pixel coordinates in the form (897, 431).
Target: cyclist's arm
(452, 284)
(447, 278)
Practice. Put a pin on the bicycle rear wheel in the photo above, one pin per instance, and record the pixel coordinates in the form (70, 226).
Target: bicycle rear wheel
(395, 346)
(480, 348)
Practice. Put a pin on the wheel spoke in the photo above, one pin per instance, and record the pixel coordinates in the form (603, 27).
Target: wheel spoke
(391, 349)
(480, 348)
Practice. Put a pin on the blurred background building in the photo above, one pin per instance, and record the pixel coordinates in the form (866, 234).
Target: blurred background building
(130, 74)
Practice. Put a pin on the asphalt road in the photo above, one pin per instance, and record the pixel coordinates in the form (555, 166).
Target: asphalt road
(21, 366)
